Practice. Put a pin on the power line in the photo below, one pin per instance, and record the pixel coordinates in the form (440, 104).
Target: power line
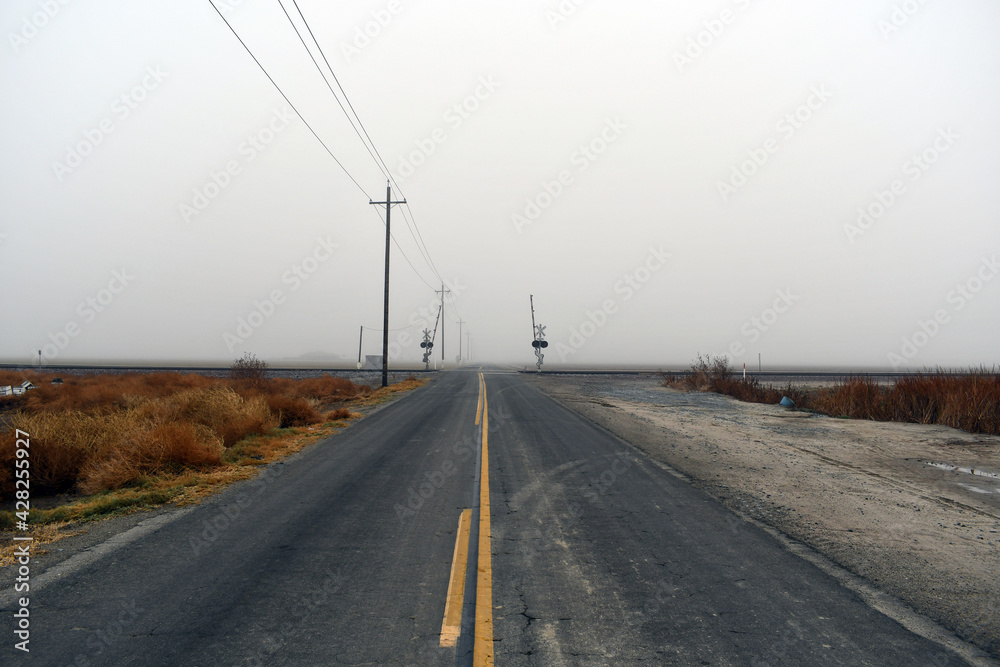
(411, 218)
(319, 69)
(278, 88)
(297, 113)
(418, 324)
(398, 247)
(411, 222)
(379, 162)
(385, 168)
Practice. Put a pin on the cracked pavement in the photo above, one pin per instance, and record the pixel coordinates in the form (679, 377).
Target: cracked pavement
(599, 557)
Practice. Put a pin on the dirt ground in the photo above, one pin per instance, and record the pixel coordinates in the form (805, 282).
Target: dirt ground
(861, 493)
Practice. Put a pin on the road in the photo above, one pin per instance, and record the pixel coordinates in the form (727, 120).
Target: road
(580, 551)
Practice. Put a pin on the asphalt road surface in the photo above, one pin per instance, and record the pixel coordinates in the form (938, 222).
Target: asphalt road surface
(579, 551)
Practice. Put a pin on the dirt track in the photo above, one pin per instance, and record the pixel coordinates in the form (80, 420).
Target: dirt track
(859, 492)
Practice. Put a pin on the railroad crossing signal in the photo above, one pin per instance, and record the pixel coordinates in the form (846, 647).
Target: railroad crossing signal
(539, 344)
(428, 345)
(538, 337)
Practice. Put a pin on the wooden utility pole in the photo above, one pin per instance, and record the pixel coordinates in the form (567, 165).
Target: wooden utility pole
(385, 317)
(442, 292)
(460, 323)
(361, 339)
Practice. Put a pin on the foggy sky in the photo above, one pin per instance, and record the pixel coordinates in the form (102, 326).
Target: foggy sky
(812, 182)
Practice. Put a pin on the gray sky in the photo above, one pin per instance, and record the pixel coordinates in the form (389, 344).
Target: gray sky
(814, 182)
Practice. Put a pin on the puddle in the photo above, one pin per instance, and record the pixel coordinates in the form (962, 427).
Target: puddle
(967, 471)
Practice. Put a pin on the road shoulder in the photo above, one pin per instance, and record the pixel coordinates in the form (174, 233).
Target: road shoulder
(857, 493)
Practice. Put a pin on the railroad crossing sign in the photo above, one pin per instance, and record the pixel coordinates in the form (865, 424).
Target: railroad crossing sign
(538, 337)
(428, 345)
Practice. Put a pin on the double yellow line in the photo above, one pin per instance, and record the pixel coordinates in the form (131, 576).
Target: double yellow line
(483, 649)
(451, 626)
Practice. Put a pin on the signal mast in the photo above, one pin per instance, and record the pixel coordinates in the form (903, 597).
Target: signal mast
(537, 337)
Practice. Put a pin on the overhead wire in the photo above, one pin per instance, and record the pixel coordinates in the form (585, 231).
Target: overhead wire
(372, 150)
(278, 88)
(380, 162)
(398, 247)
(417, 324)
(313, 131)
(319, 69)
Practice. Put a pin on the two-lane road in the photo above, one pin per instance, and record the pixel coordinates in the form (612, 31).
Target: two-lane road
(580, 551)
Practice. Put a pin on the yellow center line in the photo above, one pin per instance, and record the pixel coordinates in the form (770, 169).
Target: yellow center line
(482, 655)
(479, 406)
(451, 626)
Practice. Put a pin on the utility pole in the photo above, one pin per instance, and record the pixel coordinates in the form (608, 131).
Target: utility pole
(460, 323)
(360, 339)
(442, 292)
(385, 317)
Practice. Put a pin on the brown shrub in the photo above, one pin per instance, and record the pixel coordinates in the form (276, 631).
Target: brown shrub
(167, 448)
(704, 370)
(325, 388)
(859, 397)
(93, 392)
(292, 411)
(249, 373)
(62, 444)
(339, 413)
(715, 375)
(101, 432)
(229, 415)
(968, 401)
(751, 390)
(113, 447)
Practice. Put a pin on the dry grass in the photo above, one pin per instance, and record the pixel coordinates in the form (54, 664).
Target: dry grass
(89, 392)
(41, 535)
(109, 447)
(968, 401)
(292, 410)
(327, 389)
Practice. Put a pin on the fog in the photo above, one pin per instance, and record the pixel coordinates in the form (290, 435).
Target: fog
(814, 183)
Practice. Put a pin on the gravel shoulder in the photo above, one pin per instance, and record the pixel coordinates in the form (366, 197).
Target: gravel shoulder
(861, 493)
